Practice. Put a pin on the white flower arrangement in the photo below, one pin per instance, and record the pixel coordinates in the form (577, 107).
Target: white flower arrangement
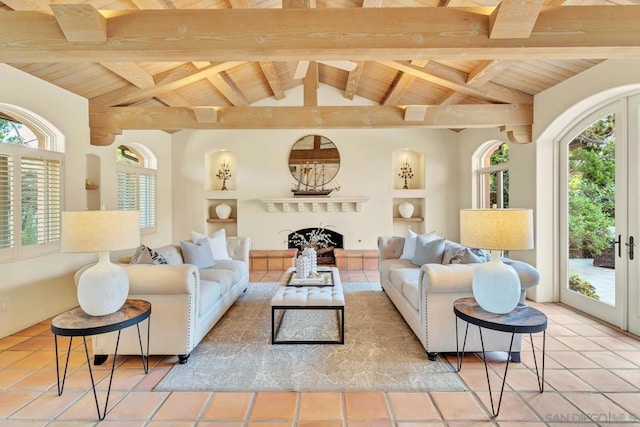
(316, 239)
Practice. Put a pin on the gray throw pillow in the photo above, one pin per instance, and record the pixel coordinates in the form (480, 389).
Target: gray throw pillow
(453, 252)
(410, 243)
(198, 254)
(470, 256)
(428, 251)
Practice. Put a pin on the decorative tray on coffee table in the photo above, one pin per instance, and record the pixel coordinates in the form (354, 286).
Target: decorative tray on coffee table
(323, 278)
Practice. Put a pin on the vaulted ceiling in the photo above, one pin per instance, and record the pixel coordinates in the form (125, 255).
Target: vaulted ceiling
(208, 64)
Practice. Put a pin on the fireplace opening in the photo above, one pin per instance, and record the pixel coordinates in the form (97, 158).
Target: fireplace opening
(326, 255)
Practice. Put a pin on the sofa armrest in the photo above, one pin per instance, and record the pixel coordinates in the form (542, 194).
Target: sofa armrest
(446, 277)
(390, 247)
(458, 277)
(238, 248)
(163, 279)
(528, 274)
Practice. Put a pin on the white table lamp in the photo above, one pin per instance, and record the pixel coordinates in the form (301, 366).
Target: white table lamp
(496, 286)
(102, 288)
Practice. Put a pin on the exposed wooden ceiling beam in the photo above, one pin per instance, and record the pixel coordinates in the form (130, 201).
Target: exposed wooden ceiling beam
(205, 114)
(453, 97)
(310, 88)
(107, 120)
(514, 19)
(415, 113)
(228, 88)
(186, 75)
(586, 32)
(398, 88)
(298, 4)
(486, 71)
(353, 80)
(270, 73)
(154, 4)
(81, 22)
(456, 80)
(41, 5)
(132, 73)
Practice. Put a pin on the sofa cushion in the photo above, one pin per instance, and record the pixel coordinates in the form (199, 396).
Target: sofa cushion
(388, 265)
(240, 269)
(405, 280)
(198, 254)
(209, 294)
(409, 248)
(428, 251)
(225, 278)
(411, 292)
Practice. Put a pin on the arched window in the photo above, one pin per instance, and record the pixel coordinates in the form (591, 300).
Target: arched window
(493, 175)
(136, 171)
(31, 185)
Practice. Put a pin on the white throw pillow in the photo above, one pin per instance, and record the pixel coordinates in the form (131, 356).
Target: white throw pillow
(409, 248)
(217, 242)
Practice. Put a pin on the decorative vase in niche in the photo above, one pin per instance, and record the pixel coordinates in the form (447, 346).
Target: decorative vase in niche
(405, 209)
(303, 267)
(313, 258)
(223, 211)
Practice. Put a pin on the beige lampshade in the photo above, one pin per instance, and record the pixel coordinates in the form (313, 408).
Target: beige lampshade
(497, 229)
(100, 231)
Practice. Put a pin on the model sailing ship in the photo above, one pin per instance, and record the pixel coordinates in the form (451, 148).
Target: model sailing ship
(311, 182)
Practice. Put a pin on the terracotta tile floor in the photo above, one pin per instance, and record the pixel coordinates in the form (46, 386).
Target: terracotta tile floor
(592, 378)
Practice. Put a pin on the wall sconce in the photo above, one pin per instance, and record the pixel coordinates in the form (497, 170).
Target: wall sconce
(224, 173)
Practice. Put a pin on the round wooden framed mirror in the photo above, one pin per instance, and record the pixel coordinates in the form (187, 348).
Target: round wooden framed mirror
(314, 162)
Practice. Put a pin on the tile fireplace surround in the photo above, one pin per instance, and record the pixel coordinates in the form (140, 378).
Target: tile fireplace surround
(281, 259)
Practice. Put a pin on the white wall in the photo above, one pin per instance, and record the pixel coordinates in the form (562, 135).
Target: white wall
(366, 170)
(41, 287)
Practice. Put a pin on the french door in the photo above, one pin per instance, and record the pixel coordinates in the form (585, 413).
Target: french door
(600, 215)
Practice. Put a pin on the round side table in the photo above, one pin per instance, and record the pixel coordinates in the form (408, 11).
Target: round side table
(521, 320)
(77, 323)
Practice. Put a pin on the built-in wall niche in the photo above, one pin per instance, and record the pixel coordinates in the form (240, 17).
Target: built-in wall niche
(415, 219)
(408, 170)
(216, 215)
(221, 171)
(92, 182)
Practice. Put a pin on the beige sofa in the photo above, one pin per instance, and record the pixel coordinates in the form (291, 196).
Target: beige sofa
(424, 295)
(185, 302)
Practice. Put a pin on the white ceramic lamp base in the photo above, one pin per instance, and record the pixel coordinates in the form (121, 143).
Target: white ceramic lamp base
(103, 288)
(496, 285)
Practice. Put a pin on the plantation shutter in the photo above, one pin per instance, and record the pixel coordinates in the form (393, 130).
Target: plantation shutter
(127, 191)
(6, 201)
(41, 199)
(147, 200)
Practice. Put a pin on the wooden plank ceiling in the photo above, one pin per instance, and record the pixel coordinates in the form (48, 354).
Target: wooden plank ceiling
(208, 64)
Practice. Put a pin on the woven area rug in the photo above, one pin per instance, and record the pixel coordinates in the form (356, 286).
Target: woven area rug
(380, 352)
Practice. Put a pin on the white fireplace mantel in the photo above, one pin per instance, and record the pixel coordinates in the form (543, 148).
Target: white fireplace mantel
(315, 204)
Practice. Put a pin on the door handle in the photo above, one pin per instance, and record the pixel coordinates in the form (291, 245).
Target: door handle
(631, 245)
(619, 243)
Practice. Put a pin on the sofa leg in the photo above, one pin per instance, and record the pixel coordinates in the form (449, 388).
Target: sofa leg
(432, 356)
(515, 357)
(99, 359)
(183, 358)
